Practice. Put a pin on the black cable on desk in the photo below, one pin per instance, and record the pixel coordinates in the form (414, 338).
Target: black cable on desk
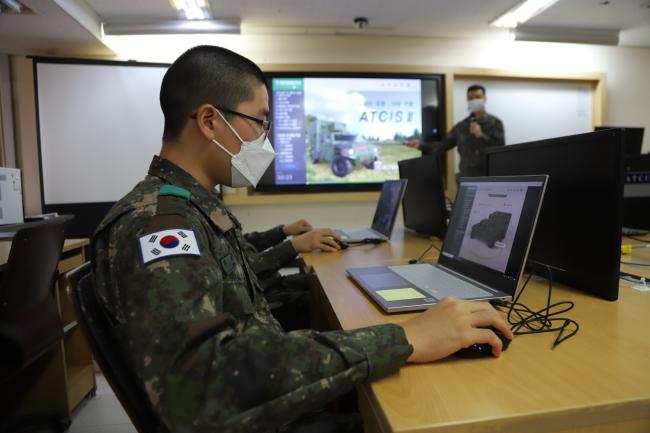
(524, 320)
(414, 261)
(636, 238)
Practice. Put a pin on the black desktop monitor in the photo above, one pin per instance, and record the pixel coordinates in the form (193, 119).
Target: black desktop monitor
(423, 205)
(579, 227)
(636, 201)
(632, 141)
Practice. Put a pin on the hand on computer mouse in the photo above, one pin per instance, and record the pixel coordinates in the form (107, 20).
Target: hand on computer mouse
(479, 350)
(344, 245)
(451, 325)
(318, 239)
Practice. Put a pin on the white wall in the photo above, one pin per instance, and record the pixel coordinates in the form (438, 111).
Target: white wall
(626, 68)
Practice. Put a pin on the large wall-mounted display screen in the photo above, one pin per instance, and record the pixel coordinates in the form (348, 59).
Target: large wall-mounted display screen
(347, 131)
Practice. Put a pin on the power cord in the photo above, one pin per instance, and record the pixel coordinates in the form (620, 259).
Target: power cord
(367, 241)
(524, 320)
(636, 238)
(345, 245)
(414, 261)
(641, 280)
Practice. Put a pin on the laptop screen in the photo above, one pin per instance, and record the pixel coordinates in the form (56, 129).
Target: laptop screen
(491, 228)
(387, 206)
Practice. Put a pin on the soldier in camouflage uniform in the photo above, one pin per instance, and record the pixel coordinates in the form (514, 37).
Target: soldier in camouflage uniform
(270, 250)
(267, 252)
(473, 135)
(169, 267)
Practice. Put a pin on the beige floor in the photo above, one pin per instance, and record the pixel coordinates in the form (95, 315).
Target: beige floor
(101, 414)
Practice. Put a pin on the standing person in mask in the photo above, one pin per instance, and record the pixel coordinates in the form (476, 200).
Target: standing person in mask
(189, 316)
(472, 135)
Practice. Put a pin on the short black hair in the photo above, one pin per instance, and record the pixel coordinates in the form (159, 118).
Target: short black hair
(201, 75)
(474, 87)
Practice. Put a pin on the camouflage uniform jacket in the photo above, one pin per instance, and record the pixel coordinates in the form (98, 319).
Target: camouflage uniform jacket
(197, 332)
(267, 252)
(470, 148)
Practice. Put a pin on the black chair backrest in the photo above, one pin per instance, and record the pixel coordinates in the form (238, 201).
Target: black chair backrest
(28, 276)
(98, 328)
(29, 318)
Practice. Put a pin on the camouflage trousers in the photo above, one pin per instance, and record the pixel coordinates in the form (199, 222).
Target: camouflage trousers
(289, 300)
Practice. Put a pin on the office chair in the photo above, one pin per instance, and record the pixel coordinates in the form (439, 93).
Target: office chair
(30, 324)
(98, 328)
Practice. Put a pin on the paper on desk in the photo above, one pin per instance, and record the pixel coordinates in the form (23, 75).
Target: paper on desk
(400, 294)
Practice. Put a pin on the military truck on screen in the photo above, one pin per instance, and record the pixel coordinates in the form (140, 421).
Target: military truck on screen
(492, 229)
(329, 142)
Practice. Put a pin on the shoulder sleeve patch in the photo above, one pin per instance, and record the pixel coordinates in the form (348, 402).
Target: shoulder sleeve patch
(167, 243)
(174, 190)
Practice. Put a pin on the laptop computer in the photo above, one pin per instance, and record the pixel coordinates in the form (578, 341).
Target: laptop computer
(483, 253)
(424, 206)
(391, 195)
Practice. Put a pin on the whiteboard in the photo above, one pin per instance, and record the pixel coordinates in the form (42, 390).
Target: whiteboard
(99, 127)
(531, 110)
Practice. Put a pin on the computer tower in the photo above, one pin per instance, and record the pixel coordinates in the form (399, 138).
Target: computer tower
(11, 196)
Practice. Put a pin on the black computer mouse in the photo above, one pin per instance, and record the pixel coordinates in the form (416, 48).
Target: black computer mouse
(344, 245)
(482, 349)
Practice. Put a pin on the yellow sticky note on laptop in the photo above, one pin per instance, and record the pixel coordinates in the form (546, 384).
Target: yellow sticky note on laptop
(400, 294)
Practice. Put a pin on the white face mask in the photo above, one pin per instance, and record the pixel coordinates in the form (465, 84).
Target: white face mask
(476, 105)
(251, 162)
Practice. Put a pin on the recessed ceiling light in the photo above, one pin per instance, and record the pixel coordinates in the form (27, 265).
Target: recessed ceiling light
(13, 5)
(231, 26)
(522, 13)
(193, 9)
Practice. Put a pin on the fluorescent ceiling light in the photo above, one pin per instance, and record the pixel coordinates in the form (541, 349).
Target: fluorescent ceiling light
(522, 13)
(193, 9)
(564, 34)
(173, 27)
(13, 5)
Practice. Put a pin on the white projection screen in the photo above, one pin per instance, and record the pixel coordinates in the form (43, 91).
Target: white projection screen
(99, 125)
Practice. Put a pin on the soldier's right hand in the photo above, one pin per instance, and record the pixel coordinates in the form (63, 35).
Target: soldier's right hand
(318, 239)
(451, 325)
(414, 143)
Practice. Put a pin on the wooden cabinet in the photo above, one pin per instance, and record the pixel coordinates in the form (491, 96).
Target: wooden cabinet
(60, 379)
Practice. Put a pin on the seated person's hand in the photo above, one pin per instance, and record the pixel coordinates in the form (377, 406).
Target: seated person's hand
(451, 325)
(297, 228)
(318, 239)
(414, 143)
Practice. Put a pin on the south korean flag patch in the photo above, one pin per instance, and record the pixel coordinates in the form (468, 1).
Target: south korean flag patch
(166, 243)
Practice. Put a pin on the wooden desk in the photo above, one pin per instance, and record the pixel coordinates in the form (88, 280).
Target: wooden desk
(597, 381)
(60, 379)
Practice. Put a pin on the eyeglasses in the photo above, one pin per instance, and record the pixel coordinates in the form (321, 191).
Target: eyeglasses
(266, 124)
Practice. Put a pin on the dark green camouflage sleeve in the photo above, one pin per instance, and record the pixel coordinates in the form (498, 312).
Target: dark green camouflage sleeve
(273, 258)
(266, 239)
(493, 134)
(208, 352)
(448, 142)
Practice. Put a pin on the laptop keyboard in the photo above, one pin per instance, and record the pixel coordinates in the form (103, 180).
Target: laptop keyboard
(438, 283)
